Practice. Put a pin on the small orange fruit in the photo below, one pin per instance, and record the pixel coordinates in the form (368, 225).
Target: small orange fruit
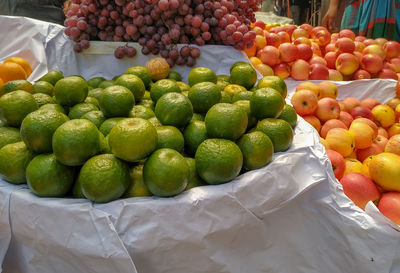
(12, 71)
(22, 62)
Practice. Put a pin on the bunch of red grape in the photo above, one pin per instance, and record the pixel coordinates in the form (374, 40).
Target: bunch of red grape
(159, 25)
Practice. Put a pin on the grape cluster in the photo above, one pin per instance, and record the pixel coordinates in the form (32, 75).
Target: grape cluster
(159, 25)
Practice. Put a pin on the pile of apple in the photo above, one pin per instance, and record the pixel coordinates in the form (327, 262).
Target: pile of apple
(312, 53)
(362, 141)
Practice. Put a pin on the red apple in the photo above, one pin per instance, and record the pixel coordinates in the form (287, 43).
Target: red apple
(299, 32)
(284, 37)
(289, 29)
(360, 38)
(314, 121)
(305, 52)
(330, 124)
(392, 49)
(282, 70)
(327, 109)
(388, 74)
(317, 60)
(335, 75)
(338, 163)
(370, 103)
(300, 70)
(389, 205)
(319, 72)
(370, 123)
(302, 40)
(316, 49)
(307, 27)
(360, 189)
(322, 37)
(344, 45)
(364, 112)
(305, 102)
(328, 90)
(398, 89)
(368, 42)
(273, 39)
(330, 59)
(347, 64)
(371, 63)
(375, 49)
(269, 55)
(395, 62)
(381, 141)
(374, 149)
(350, 103)
(359, 46)
(346, 118)
(358, 55)
(361, 75)
(381, 41)
(330, 47)
(347, 33)
(260, 24)
(288, 52)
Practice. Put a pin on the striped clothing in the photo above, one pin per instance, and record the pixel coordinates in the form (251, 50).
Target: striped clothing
(373, 18)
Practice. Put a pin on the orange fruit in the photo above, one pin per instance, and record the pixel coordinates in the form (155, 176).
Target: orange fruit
(12, 71)
(158, 68)
(1, 83)
(22, 62)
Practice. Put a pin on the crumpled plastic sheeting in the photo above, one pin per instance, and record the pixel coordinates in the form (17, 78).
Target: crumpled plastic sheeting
(290, 216)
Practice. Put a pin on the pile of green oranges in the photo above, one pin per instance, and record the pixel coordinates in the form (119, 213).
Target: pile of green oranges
(137, 135)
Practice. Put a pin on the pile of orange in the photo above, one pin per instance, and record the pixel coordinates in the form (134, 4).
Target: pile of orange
(14, 68)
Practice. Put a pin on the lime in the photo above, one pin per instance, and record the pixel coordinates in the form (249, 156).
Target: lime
(245, 105)
(104, 146)
(266, 103)
(233, 89)
(274, 82)
(243, 95)
(96, 93)
(173, 75)
(183, 86)
(201, 74)
(104, 178)
(133, 139)
(105, 84)
(9, 135)
(162, 87)
(224, 78)
(227, 121)
(142, 72)
(95, 81)
(70, 90)
(78, 110)
(289, 114)
(137, 187)
(133, 83)
(174, 109)
(222, 84)
(194, 180)
(155, 122)
(15, 106)
(52, 77)
(237, 64)
(117, 101)
(38, 127)
(166, 173)
(55, 107)
(197, 116)
(141, 111)
(169, 137)
(244, 75)
(279, 131)
(194, 134)
(204, 95)
(218, 160)
(97, 117)
(46, 177)
(14, 158)
(42, 99)
(93, 101)
(225, 98)
(108, 124)
(257, 150)
(148, 103)
(16, 85)
(43, 87)
(76, 141)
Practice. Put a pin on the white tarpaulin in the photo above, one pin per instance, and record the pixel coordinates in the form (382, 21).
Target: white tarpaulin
(290, 216)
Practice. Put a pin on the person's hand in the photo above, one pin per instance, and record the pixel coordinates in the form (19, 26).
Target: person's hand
(329, 20)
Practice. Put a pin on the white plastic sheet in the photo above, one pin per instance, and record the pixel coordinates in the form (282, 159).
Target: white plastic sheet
(290, 216)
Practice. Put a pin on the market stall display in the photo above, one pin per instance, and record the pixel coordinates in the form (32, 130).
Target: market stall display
(293, 206)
